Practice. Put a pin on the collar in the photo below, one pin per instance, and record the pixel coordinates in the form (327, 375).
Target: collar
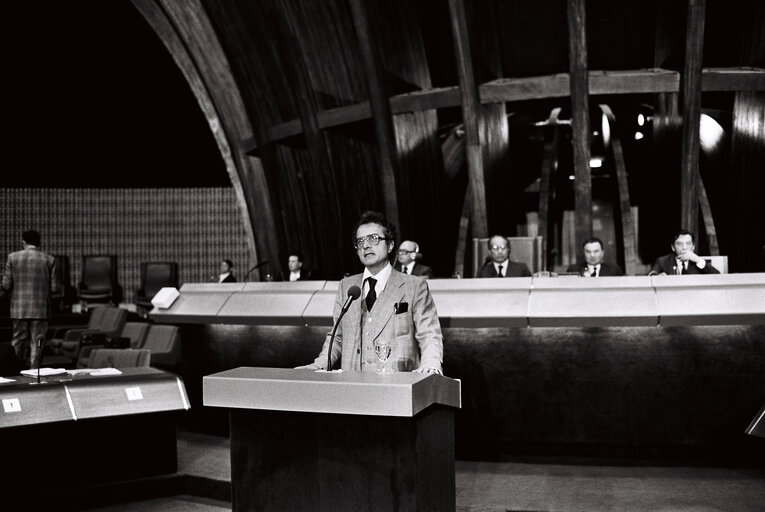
(295, 275)
(223, 276)
(409, 267)
(504, 266)
(381, 277)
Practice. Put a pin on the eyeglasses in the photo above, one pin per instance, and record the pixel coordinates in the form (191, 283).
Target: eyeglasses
(498, 247)
(405, 251)
(371, 239)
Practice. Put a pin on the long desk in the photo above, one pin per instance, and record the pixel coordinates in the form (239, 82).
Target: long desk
(648, 365)
(722, 299)
(73, 432)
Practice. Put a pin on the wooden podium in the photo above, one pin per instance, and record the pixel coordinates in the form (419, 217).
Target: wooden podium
(304, 440)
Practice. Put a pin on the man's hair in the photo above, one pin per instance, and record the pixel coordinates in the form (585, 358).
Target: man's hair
(298, 254)
(370, 217)
(503, 237)
(229, 263)
(31, 237)
(593, 240)
(682, 232)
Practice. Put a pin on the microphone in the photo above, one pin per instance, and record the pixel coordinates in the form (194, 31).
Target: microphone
(253, 268)
(354, 292)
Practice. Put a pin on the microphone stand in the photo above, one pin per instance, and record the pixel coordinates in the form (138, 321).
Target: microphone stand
(253, 268)
(40, 344)
(353, 293)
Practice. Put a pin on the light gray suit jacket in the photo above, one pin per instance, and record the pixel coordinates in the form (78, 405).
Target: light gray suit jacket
(415, 335)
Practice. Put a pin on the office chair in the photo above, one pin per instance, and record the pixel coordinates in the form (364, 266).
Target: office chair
(99, 280)
(155, 275)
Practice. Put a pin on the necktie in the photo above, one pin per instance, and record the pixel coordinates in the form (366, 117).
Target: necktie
(685, 267)
(403, 269)
(371, 295)
(595, 270)
(499, 272)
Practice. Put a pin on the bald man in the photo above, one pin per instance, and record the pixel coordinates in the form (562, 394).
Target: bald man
(406, 260)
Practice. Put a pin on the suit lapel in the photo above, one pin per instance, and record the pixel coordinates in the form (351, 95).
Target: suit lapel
(393, 293)
(354, 312)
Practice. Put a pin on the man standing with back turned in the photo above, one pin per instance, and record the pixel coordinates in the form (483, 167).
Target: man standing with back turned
(30, 277)
(393, 306)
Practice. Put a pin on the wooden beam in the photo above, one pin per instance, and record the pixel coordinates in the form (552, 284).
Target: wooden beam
(471, 116)
(381, 113)
(580, 119)
(188, 36)
(549, 161)
(629, 234)
(641, 81)
(691, 101)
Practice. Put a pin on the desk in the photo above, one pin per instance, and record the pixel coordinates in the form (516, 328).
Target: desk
(77, 431)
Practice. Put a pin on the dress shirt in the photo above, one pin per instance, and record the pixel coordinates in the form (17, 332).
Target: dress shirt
(408, 268)
(223, 276)
(381, 277)
(294, 276)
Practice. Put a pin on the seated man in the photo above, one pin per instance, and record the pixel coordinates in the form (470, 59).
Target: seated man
(394, 306)
(682, 259)
(594, 253)
(499, 264)
(295, 265)
(406, 261)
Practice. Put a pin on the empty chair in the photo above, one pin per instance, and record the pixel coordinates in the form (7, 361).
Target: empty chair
(155, 275)
(104, 322)
(99, 280)
(119, 358)
(137, 332)
(165, 345)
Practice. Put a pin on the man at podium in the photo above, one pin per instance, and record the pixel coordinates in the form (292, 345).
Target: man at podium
(394, 307)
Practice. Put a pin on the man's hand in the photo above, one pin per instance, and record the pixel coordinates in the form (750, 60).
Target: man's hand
(427, 369)
(689, 256)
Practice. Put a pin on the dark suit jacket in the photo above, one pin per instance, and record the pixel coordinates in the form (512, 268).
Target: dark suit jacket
(229, 279)
(415, 335)
(513, 269)
(606, 269)
(668, 265)
(30, 277)
(418, 270)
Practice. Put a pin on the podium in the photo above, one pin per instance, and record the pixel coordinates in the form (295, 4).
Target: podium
(304, 440)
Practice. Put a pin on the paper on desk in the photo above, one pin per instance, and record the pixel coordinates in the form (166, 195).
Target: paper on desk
(95, 371)
(44, 372)
(3, 379)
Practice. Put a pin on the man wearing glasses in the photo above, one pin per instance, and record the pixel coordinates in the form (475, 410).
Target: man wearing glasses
(498, 263)
(406, 261)
(393, 306)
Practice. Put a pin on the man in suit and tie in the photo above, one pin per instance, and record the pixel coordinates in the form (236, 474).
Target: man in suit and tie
(295, 266)
(406, 261)
(682, 259)
(394, 307)
(594, 252)
(30, 277)
(499, 264)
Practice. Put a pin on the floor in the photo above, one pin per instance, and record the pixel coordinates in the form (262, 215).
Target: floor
(511, 486)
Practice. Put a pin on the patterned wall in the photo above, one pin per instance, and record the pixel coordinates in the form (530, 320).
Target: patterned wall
(197, 227)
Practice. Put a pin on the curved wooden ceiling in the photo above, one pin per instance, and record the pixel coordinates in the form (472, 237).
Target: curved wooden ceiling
(323, 109)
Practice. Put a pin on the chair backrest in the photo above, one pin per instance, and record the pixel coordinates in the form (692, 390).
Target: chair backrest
(718, 262)
(157, 274)
(165, 344)
(113, 320)
(99, 271)
(523, 249)
(119, 358)
(137, 332)
(96, 319)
